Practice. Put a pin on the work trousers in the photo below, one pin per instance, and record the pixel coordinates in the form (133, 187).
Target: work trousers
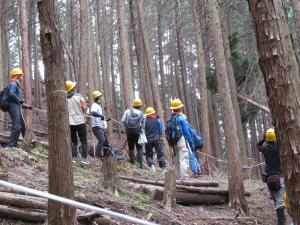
(102, 146)
(79, 130)
(278, 196)
(160, 154)
(18, 124)
(133, 142)
(181, 159)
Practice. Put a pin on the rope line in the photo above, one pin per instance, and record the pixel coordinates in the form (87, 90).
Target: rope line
(73, 203)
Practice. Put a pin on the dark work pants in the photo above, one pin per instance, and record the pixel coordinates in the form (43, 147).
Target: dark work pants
(81, 131)
(18, 124)
(160, 155)
(102, 141)
(133, 142)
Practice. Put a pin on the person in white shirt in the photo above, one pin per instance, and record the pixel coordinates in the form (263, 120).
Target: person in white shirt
(99, 124)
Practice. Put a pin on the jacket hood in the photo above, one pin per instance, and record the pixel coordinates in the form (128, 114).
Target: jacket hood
(71, 94)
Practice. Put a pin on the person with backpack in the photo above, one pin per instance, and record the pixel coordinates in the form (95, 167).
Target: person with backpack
(13, 104)
(273, 176)
(179, 137)
(99, 124)
(77, 108)
(133, 119)
(153, 131)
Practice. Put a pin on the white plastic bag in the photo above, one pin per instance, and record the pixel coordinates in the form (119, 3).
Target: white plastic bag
(142, 138)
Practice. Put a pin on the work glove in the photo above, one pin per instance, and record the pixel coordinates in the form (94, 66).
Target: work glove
(102, 117)
(30, 107)
(21, 102)
(108, 119)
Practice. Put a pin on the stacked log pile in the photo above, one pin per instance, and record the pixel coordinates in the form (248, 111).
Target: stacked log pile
(187, 192)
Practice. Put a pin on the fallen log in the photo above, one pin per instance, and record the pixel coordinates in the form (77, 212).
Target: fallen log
(187, 198)
(87, 218)
(19, 214)
(178, 183)
(22, 201)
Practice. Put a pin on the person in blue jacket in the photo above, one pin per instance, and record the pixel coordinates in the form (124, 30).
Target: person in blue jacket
(15, 102)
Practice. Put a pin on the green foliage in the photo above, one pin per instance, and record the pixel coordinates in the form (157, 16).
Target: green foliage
(211, 80)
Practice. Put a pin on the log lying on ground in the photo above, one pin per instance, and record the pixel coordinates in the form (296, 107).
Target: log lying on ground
(22, 201)
(19, 214)
(178, 183)
(187, 198)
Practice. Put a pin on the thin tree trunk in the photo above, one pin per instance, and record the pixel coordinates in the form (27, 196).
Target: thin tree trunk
(296, 9)
(236, 187)
(161, 58)
(125, 70)
(149, 61)
(281, 74)
(254, 151)
(233, 90)
(84, 49)
(59, 166)
(27, 76)
(205, 127)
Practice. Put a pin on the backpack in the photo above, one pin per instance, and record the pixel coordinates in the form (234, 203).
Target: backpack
(133, 123)
(173, 130)
(4, 100)
(197, 139)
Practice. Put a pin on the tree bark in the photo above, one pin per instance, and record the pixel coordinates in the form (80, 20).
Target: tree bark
(281, 74)
(296, 9)
(205, 127)
(149, 62)
(125, 69)
(110, 178)
(236, 187)
(59, 165)
(169, 198)
(25, 64)
(84, 49)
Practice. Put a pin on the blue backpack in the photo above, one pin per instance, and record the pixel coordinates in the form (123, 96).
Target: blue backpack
(173, 130)
(197, 139)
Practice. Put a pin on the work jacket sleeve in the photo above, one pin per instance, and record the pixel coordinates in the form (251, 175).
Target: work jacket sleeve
(123, 120)
(160, 128)
(12, 93)
(259, 145)
(186, 131)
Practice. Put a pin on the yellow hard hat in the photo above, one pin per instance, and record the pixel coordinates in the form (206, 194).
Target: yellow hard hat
(176, 104)
(270, 135)
(96, 94)
(70, 85)
(149, 111)
(137, 102)
(16, 71)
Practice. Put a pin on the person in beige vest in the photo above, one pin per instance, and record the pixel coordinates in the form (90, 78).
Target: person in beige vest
(77, 108)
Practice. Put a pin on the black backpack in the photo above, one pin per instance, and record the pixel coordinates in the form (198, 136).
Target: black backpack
(133, 123)
(4, 100)
(173, 130)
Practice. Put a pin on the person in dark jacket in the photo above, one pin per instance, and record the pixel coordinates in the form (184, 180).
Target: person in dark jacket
(15, 102)
(274, 177)
(153, 131)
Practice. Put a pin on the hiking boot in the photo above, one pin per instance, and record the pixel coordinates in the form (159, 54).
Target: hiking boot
(152, 168)
(10, 148)
(85, 161)
(97, 158)
(165, 170)
(74, 160)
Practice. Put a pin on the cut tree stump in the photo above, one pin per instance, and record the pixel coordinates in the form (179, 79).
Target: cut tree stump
(169, 197)
(178, 183)
(19, 214)
(103, 220)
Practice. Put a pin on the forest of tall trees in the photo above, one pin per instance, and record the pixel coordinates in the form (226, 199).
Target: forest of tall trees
(233, 64)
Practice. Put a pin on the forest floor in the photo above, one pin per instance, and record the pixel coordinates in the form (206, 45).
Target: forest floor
(31, 170)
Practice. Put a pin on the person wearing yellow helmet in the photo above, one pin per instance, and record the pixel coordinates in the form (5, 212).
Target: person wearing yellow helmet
(153, 132)
(268, 146)
(179, 138)
(77, 108)
(15, 103)
(99, 124)
(133, 119)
